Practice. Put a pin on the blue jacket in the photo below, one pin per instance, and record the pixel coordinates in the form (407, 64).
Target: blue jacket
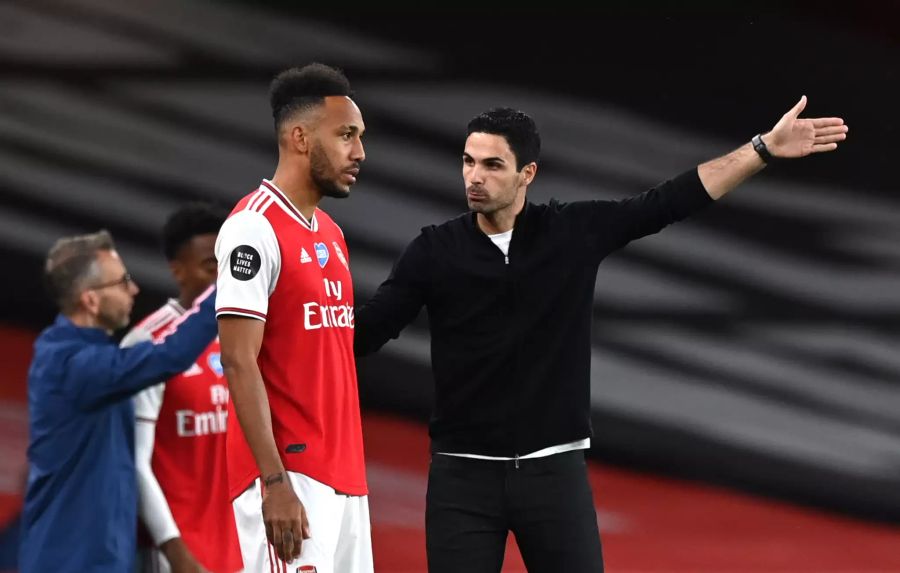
(80, 512)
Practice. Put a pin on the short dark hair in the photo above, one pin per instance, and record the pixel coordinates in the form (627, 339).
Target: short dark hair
(298, 89)
(516, 127)
(196, 218)
(70, 263)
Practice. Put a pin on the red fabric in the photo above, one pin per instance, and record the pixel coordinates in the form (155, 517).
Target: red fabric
(189, 460)
(307, 362)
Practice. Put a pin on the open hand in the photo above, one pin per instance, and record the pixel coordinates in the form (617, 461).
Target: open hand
(796, 137)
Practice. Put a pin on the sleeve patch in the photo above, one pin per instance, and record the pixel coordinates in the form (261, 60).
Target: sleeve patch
(245, 262)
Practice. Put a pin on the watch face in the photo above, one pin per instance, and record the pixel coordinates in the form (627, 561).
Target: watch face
(759, 146)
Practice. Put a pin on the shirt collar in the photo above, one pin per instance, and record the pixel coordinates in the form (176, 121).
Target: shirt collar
(86, 332)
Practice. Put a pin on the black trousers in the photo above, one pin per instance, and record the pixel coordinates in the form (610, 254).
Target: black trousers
(472, 505)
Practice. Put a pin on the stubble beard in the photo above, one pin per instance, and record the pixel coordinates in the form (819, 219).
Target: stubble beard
(319, 168)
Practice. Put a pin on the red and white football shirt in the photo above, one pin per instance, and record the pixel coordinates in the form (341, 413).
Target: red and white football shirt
(294, 274)
(190, 413)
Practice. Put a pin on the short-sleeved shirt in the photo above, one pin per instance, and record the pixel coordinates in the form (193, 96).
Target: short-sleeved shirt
(190, 413)
(294, 274)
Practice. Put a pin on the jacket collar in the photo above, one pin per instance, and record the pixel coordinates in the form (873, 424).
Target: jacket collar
(63, 324)
(519, 222)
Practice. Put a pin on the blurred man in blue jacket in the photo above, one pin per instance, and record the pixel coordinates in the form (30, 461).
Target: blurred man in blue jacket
(80, 511)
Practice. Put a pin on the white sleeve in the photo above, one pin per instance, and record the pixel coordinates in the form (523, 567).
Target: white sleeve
(152, 507)
(249, 265)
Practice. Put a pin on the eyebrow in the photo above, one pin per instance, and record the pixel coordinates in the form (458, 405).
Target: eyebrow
(351, 128)
(486, 159)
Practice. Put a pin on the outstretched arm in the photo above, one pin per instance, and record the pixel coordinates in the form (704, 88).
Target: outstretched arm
(396, 302)
(791, 137)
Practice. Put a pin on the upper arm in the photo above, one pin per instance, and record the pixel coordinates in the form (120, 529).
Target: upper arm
(396, 302)
(107, 373)
(102, 373)
(240, 339)
(249, 265)
(612, 224)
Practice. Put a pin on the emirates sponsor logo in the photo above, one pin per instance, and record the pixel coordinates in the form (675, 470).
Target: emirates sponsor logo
(191, 424)
(316, 316)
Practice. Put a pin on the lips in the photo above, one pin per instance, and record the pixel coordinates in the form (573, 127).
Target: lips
(351, 174)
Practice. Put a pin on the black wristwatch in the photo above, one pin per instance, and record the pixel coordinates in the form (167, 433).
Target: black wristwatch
(759, 146)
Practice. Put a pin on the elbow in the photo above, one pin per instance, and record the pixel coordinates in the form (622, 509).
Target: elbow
(236, 367)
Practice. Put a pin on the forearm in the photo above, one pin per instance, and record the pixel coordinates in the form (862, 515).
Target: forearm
(721, 175)
(153, 507)
(251, 403)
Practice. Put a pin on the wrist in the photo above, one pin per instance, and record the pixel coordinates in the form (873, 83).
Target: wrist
(760, 146)
(275, 479)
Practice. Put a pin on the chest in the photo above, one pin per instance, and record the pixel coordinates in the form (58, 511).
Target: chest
(315, 267)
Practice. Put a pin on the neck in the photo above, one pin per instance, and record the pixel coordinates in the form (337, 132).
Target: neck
(185, 300)
(502, 220)
(298, 188)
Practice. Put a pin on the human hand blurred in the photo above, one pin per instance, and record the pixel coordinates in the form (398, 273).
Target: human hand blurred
(180, 559)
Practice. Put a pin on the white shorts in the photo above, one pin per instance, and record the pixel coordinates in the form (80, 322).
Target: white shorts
(340, 536)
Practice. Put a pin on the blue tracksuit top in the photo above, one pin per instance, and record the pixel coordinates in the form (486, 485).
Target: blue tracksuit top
(80, 512)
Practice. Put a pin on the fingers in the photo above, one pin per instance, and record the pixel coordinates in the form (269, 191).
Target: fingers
(297, 532)
(795, 111)
(829, 138)
(826, 121)
(817, 148)
(304, 524)
(286, 544)
(290, 545)
(832, 130)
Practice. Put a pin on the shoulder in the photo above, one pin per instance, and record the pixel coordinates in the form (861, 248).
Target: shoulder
(245, 227)
(252, 201)
(455, 226)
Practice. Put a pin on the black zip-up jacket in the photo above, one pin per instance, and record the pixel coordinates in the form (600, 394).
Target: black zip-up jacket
(511, 342)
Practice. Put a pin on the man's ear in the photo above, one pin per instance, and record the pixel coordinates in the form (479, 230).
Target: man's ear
(177, 270)
(528, 173)
(90, 301)
(300, 138)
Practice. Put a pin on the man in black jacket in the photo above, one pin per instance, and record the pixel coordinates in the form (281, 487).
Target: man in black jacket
(509, 292)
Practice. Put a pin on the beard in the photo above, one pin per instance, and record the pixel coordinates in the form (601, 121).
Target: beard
(322, 175)
(488, 206)
(112, 319)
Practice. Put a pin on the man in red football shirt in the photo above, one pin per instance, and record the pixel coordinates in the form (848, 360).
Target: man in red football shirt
(180, 423)
(285, 306)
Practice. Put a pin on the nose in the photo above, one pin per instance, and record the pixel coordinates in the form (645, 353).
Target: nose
(474, 175)
(358, 153)
(133, 288)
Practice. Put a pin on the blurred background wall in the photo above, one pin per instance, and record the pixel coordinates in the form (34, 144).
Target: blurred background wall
(756, 346)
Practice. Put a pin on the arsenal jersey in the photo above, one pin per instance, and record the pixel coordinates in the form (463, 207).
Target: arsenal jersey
(190, 412)
(294, 274)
